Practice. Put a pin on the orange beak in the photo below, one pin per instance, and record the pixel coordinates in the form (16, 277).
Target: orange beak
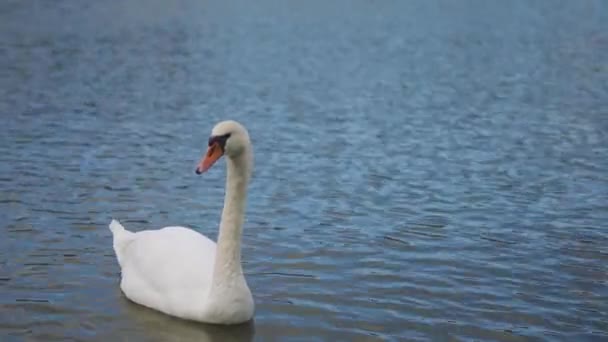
(214, 152)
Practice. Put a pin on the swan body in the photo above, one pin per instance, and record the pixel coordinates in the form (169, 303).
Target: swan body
(181, 272)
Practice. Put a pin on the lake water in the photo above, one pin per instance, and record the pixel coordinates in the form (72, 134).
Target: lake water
(425, 170)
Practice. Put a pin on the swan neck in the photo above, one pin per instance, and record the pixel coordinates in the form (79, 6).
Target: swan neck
(228, 254)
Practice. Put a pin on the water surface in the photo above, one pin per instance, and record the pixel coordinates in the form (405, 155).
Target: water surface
(425, 170)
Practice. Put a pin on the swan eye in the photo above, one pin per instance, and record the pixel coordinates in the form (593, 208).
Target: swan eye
(219, 139)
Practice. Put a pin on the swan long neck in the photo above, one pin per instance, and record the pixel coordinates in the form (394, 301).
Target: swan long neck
(227, 268)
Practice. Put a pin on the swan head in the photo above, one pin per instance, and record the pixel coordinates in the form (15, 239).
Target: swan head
(228, 138)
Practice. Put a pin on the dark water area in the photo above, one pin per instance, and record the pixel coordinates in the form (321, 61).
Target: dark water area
(425, 170)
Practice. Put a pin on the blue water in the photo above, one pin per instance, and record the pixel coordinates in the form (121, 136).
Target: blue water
(425, 170)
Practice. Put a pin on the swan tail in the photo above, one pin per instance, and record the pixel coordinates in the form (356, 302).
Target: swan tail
(116, 227)
(122, 238)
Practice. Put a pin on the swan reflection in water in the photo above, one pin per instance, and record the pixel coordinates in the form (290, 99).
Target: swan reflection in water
(151, 325)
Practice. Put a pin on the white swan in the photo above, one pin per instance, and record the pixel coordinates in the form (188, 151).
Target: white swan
(181, 272)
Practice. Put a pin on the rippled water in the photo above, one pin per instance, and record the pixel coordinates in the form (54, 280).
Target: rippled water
(425, 170)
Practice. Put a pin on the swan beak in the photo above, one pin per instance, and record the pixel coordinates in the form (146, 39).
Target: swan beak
(214, 152)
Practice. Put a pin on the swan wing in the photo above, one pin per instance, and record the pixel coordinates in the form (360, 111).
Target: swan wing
(169, 269)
